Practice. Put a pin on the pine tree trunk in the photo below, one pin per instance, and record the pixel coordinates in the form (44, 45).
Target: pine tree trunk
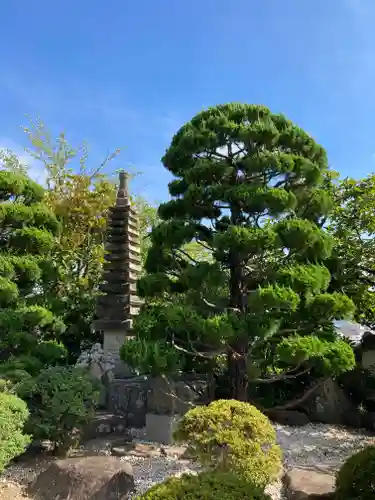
(238, 349)
(237, 368)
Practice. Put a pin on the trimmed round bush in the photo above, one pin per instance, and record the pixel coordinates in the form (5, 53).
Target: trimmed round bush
(356, 478)
(61, 401)
(207, 486)
(13, 415)
(229, 435)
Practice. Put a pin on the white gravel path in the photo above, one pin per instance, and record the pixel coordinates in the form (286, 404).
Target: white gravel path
(319, 446)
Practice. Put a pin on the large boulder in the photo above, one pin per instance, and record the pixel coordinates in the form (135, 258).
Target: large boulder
(171, 397)
(305, 484)
(329, 404)
(87, 478)
(368, 421)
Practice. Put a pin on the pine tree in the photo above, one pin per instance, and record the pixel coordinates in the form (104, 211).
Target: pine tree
(252, 189)
(27, 236)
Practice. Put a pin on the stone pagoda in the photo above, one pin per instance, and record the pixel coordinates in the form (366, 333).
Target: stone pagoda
(119, 303)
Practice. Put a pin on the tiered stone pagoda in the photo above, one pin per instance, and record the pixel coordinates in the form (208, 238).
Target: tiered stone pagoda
(119, 303)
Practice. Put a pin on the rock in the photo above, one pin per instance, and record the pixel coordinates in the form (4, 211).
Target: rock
(95, 370)
(368, 360)
(105, 424)
(175, 396)
(329, 404)
(305, 484)
(353, 419)
(368, 421)
(140, 450)
(173, 451)
(288, 417)
(96, 356)
(160, 428)
(144, 450)
(368, 341)
(122, 450)
(102, 478)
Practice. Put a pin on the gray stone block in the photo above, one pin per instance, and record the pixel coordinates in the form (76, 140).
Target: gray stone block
(160, 428)
(128, 398)
(170, 397)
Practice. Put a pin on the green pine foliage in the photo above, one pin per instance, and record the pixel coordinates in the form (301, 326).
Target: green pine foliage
(253, 190)
(151, 358)
(27, 236)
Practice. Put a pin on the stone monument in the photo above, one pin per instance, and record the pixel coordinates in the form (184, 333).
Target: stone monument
(119, 303)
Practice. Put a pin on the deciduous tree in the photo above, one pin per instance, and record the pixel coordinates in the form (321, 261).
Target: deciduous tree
(80, 196)
(352, 264)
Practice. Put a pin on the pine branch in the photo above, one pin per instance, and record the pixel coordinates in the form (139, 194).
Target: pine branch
(297, 401)
(211, 305)
(187, 255)
(199, 354)
(204, 245)
(283, 376)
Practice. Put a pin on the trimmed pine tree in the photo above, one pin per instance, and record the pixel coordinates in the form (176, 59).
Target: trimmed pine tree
(252, 189)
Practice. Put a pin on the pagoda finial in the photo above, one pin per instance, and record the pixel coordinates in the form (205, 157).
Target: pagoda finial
(123, 197)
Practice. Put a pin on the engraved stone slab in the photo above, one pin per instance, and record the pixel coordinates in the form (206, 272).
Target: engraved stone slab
(128, 397)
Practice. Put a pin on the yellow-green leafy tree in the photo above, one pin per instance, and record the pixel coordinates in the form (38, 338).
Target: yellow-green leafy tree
(80, 197)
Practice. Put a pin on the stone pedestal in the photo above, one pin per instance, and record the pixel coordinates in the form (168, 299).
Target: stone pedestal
(128, 398)
(160, 428)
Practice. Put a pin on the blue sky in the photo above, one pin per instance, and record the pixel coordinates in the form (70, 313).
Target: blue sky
(128, 74)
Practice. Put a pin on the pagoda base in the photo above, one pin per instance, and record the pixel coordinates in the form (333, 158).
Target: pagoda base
(113, 325)
(113, 341)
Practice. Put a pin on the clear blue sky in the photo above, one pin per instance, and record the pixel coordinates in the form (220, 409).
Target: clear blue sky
(128, 73)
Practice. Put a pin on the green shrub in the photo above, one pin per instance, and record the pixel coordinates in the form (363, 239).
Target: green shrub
(61, 401)
(26, 363)
(356, 478)
(207, 486)
(228, 435)
(50, 353)
(13, 415)
(42, 356)
(15, 375)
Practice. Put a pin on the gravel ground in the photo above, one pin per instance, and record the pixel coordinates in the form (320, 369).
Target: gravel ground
(318, 446)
